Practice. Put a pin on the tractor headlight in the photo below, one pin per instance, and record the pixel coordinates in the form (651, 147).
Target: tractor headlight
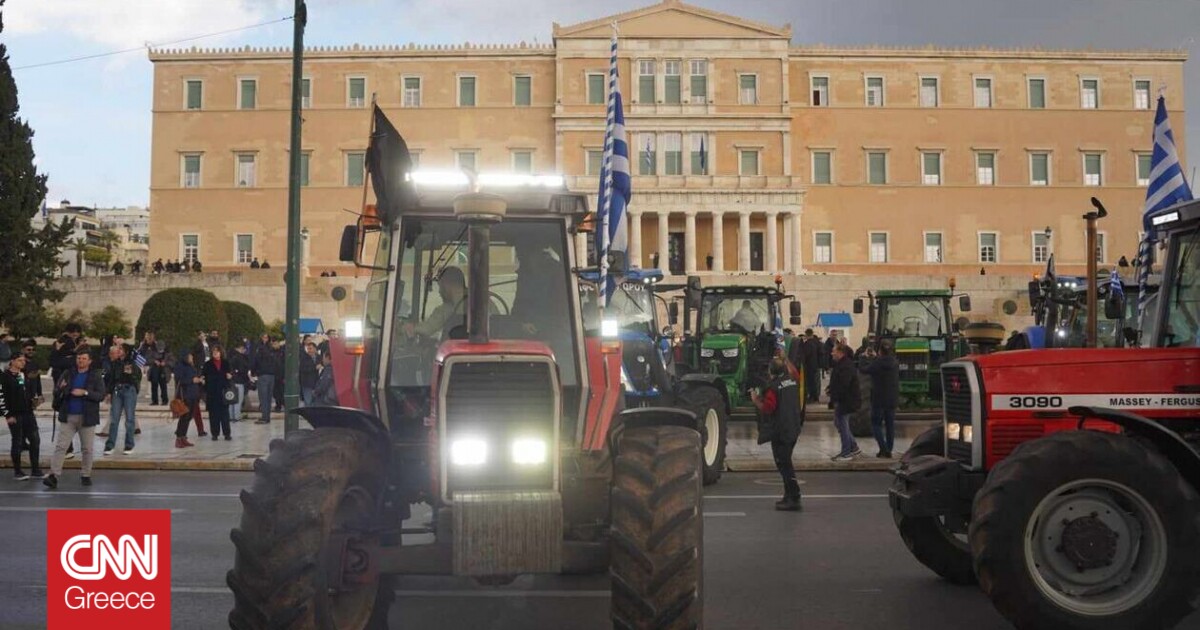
(967, 433)
(730, 353)
(706, 352)
(529, 452)
(953, 430)
(468, 452)
(610, 328)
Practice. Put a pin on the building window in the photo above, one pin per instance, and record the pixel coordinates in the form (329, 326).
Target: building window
(1143, 169)
(822, 247)
(748, 162)
(671, 89)
(522, 90)
(412, 92)
(699, 154)
(933, 247)
(1041, 247)
(646, 81)
(246, 170)
(648, 159)
(1037, 93)
(876, 167)
(820, 91)
(356, 92)
(879, 247)
(355, 162)
(595, 88)
(672, 154)
(304, 161)
(988, 247)
(699, 81)
(247, 93)
(822, 167)
(931, 168)
(874, 91)
(983, 92)
(189, 246)
(466, 91)
(929, 92)
(1089, 93)
(748, 89)
(522, 162)
(595, 162)
(1039, 169)
(465, 160)
(985, 169)
(191, 170)
(195, 94)
(243, 248)
(306, 93)
(1101, 250)
(1092, 166)
(1141, 94)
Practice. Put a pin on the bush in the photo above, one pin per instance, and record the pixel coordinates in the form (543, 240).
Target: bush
(244, 322)
(110, 320)
(176, 314)
(275, 329)
(53, 323)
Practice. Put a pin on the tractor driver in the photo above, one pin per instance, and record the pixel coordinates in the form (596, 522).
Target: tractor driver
(745, 318)
(452, 287)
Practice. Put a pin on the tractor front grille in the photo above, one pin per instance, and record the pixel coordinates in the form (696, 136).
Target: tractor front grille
(914, 366)
(719, 364)
(958, 401)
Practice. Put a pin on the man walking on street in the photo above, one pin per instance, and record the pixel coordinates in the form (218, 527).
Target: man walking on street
(121, 380)
(308, 372)
(264, 367)
(884, 371)
(77, 395)
(780, 424)
(844, 397)
(239, 367)
(810, 355)
(16, 407)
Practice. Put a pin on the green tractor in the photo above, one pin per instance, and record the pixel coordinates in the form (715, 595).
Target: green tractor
(918, 324)
(734, 336)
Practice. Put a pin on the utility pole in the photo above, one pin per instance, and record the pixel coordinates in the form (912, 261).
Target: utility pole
(291, 371)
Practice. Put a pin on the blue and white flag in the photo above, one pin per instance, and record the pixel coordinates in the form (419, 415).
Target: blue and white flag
(139, 359)
(1167, 188)
(703, 158)
(1115, 288)
(615, 186)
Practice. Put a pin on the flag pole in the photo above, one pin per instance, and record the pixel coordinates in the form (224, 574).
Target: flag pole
(291, 392)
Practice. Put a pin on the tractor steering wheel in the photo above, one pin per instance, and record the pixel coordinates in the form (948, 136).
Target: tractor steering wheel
(496, 298)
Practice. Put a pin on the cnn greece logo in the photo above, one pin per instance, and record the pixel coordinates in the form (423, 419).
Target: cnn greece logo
(122, 557)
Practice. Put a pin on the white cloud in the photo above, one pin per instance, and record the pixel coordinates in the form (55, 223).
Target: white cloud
(130, 23)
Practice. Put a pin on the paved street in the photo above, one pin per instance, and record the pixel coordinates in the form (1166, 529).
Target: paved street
(839, 564)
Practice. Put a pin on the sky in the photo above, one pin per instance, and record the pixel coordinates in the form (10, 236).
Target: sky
(92, 118)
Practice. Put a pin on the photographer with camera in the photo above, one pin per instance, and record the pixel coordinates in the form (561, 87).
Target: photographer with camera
(780, 422)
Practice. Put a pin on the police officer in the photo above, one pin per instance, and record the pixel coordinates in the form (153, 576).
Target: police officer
(780, 423)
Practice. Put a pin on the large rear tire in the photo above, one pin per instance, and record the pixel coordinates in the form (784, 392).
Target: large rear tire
(930, 539)
(709, 406)
(311, 484)
(657, 530)
(1088, 530)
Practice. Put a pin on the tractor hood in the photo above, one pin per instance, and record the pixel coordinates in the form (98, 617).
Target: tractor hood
(1082, 358)
(722, 341)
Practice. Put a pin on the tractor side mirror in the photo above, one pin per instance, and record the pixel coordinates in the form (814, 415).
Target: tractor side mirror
(964, 303)
(1035, 293)
(673, 313)
(794, 313)
(858, 306)
(1114, 306)
(348, 252)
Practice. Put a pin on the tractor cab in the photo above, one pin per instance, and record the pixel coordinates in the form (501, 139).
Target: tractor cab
(918, 324)
(1059, 306)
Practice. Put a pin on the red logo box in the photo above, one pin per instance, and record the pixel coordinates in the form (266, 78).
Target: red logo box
(108, 569)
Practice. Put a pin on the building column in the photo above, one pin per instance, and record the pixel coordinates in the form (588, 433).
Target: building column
(689, 242)
(771, 264)
(664, 244)
(635, 239)
(718, 241)
(787, 243)
(744, 240)
(797, 244)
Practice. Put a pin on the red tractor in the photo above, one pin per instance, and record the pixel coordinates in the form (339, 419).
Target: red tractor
(1067, 482)
(491, 397)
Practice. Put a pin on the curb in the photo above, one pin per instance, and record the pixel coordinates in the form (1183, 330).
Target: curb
(812, 465)
(150, 464)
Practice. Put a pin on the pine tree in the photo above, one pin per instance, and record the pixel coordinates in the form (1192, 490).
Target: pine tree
(28, 257)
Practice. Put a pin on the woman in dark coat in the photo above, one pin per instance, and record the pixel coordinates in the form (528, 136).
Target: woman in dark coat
(217, 378)
(188, 388)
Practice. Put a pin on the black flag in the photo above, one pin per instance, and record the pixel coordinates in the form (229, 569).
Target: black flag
(389, 164)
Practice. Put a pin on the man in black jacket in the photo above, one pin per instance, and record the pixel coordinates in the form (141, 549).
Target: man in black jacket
(16, 407)
(122, 379)
(884, 371)
(780, 424)
(844, 394)
(810, 358)
(155, 353)
(308, 372)
(77, 398)
(265, 367)
(239, 367)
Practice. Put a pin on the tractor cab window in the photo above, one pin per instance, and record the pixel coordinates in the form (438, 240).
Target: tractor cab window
(913, 317)
(1183, 294)
(735, 313)
(632, 305)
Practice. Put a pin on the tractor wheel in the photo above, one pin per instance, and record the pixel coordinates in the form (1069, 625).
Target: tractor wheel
(657, 530)
(709, 407)
(1088, 530)
(931, 539)
(860, 421)
(311, 484)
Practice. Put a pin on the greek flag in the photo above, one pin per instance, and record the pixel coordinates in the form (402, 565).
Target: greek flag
(1167, 188)
(139, 359)
(1115, 288)
(615, 188)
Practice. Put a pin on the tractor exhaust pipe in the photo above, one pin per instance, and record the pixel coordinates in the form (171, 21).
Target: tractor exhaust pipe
(479, 211)
(1093, 337)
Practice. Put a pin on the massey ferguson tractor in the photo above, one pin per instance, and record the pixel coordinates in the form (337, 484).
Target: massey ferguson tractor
(476, 388)
(1067, 482)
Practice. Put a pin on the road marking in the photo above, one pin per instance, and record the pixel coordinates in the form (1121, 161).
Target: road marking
(806, 496)
(135, 495)
(724, 513)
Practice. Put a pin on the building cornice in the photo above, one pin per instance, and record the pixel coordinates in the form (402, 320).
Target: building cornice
(1023, 54)
(355, 51)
